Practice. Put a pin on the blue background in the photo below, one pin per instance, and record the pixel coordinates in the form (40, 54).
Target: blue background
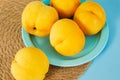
(107, 65)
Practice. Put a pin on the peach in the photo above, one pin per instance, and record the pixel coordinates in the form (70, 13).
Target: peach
(66, 37)
(65, 8)
(30, 64)
(37, 18)
(90, 17)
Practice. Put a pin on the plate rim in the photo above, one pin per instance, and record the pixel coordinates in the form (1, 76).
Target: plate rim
(78, 61)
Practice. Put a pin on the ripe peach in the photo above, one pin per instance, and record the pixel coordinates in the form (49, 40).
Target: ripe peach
(66, 37)
(30, 64)
(65, 8)
(90, 17)
(37, 18)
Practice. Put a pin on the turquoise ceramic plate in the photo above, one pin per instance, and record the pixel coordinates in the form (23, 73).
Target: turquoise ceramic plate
(93, 46)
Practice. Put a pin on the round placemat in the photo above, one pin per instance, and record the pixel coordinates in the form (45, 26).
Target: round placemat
(11, 42)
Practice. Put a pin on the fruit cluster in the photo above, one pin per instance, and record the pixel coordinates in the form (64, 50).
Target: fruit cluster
(66, 22)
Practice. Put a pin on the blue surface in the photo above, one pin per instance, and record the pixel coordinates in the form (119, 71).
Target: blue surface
(107, 65)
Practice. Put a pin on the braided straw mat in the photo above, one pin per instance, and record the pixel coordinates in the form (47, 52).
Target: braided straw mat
(11, 42)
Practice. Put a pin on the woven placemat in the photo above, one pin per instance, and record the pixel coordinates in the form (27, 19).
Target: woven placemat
(11, 42)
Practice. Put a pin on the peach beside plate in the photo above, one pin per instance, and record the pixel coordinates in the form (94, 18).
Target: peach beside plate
(93, 47)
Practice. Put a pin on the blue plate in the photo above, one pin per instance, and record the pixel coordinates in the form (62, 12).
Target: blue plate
(93, 46)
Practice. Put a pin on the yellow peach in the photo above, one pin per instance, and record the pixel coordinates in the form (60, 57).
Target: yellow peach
(66, 37)
(65, 8)
(37, 18)
(29, 64)
(90, 17)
